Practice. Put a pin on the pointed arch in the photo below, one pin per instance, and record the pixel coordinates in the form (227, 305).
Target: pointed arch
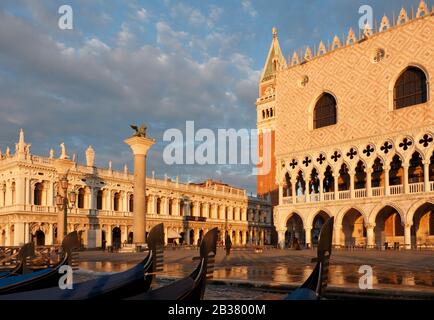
(411, 87)
(324, 111)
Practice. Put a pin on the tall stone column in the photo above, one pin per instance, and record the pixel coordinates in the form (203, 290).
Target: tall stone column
(140, 145)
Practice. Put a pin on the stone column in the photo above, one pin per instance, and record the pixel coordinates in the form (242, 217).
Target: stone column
(175, 207)
(337, 235)
(352, 187)
(336, 185)
(307, 190)
(20, 197)
(187, 236)
(206, 210)
(109, 200)
(368, 182)
(386, 180)
(281, 238)
(321, 187)
(28, 187)
(108, 235)
(166, 239)
(293, 190)
(50, 198)
(230, 213)
(27, 232)
(308, 233)
(406, 188)
(426, 183)
(8, 240)
(195, 212)
(165, 206)
(50, 236)
(18, 233)
(407, 236)
(370, 234)
(244, 214)
(280, 194)
(2, 198)
(222, 212)
(124, 234)
(140, 146)
(196, 236)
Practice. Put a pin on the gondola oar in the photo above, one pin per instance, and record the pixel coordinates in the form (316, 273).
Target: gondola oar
(314, 286)
(115, 286)
(191, 287)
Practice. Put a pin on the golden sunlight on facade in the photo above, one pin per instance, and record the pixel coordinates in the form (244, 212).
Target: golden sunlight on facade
(354, 124)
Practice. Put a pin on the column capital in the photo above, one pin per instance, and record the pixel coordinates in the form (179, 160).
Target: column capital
(140, 145)
(370, 226)
(407, 224)
(426, 162)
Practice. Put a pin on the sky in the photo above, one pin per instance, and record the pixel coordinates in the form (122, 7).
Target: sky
(159, 62)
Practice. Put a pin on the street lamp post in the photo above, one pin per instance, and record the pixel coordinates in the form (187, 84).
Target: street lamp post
(65, 201)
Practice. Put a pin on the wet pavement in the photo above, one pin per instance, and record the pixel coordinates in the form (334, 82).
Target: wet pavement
(392, 270)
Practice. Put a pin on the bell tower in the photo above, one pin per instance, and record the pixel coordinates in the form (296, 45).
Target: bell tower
(266, 109)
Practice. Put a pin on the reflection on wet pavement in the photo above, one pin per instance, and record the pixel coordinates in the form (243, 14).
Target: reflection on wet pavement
(340, 275)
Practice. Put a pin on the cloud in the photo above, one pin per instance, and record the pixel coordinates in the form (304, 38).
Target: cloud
(142, 14)
(248, 7)
(89, 93)
(193, 15)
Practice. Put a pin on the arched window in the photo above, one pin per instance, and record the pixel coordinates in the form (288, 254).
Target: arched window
(131, 202)
(99, 200)
(325, 111)
(263, 114)
(37, 194)
(117, 199)
(158, 205)
(410, 88)
(80, 202)
(170, 207)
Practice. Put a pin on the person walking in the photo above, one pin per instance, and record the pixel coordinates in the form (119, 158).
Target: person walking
(228, 245)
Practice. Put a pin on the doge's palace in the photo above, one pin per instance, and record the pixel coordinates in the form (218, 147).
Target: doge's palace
(353, 123)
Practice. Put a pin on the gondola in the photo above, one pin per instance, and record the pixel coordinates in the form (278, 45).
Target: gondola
(44, 278)
(190, 288)
(116, 286)
(313, 288)
(27, 250)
